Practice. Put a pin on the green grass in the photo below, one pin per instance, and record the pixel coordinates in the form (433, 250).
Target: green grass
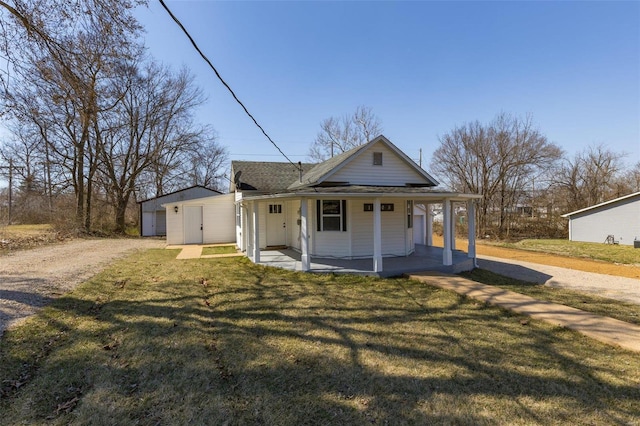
(26, 230)
(219, 250)
(623, 311)
(155, 340)
(597, 251)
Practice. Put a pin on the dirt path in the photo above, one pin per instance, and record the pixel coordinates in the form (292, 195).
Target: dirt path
(29, 279)
(585, 265)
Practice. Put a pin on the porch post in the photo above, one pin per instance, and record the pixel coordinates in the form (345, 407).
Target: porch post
(304, 235)
(248, 230)
(377, 236)
(453, 228)
(447, 253)
(256, 233)
(429, 227)
(471, 221)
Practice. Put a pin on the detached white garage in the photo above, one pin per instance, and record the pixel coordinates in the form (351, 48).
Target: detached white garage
(208, 220)
(619, 218)
(153, 216)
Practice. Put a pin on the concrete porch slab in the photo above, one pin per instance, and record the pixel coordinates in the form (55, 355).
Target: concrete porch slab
(424, 258)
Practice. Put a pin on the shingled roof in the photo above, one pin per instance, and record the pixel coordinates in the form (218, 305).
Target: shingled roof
(266, 176)
(321, 169)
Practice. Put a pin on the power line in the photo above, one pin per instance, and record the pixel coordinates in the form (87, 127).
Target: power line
(184, 30)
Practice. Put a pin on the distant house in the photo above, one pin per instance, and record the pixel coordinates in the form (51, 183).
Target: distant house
(153, 216)
(356, 205)
(619, 217)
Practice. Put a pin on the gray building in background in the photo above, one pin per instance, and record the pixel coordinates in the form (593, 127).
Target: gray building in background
(153, 217)
(619, 218)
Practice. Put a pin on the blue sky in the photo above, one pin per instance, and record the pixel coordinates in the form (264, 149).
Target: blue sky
(423, 68)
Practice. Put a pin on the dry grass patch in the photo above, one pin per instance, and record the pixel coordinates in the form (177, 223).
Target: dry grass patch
(623, 254)
(154, 340)
(18, 237)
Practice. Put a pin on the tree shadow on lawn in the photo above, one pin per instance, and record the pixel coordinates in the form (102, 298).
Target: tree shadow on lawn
(275, 347)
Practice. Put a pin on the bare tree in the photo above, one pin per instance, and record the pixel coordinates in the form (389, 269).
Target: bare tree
(151, 128)
(497, 160)
(62, 52)
(632, 177)
(338, 135)
(591, 177)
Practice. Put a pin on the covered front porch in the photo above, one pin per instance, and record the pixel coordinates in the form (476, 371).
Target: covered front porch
(424, 258)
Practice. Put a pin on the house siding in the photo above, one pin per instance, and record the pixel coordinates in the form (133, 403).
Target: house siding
(175, 228)
(621, 219)
(262, 219)
(218, 220)
(362, 230)
(394, 230)
(393, 171)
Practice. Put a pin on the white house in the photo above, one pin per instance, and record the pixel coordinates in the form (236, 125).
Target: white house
(152, 214)
(619, 217)
(359, 204)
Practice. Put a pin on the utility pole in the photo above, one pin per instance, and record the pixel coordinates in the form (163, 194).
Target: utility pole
(420, 162)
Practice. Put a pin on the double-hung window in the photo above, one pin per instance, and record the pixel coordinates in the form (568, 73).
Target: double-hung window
(331, 215)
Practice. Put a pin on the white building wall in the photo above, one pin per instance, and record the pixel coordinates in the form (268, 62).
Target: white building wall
(359, 238)
(394, 231)
(218, 220)
(362, 229)
(175, 228)
(622, 220)
(262, 218)
(392, 172)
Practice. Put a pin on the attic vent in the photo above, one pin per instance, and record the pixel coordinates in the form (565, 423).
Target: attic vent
(377, 159)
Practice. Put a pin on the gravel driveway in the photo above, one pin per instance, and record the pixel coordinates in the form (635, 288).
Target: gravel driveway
(612, 287)
(29, 279)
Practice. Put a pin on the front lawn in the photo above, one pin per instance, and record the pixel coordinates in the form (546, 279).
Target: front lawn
(155, 340)
(625, 254)
(219, 250)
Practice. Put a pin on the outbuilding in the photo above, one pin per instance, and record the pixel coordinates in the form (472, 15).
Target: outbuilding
(153, 216)
(615, 221)
(208, 220)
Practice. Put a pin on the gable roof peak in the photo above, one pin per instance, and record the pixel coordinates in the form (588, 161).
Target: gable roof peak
(323, 170)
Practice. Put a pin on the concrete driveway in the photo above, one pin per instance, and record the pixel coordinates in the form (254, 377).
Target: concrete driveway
(618, 288)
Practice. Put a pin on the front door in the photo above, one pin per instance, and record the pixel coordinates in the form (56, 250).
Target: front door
(276, 225)
(193, 225)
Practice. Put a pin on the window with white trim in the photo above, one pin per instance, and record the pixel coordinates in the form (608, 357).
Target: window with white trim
(331, 215)
(409, 213)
